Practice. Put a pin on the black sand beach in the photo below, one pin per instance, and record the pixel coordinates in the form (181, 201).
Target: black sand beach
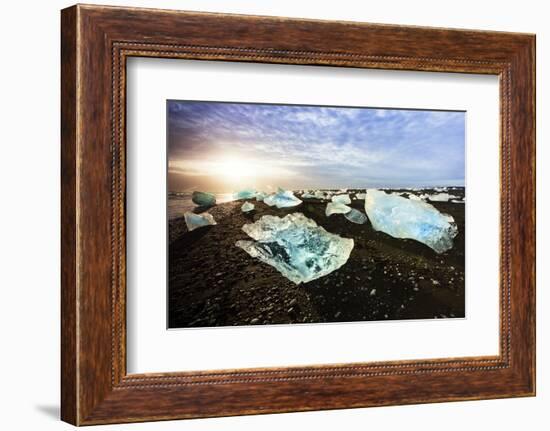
(214, 283)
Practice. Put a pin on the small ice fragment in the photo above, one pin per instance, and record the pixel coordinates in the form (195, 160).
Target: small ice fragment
(456, 201)
(308, 195)
(414, 197)
(203, 199)
(356, 216)
(440, 197)
(247, 207)
(341, 199)
(194, 221)
(244, 194)
(336, 208)
(295, 246)
(282, 199)
(319, 194)
(404, 218)
(260, 196)
(361, 196)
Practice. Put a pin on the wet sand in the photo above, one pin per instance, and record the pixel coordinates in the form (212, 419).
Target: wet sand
(214, 283)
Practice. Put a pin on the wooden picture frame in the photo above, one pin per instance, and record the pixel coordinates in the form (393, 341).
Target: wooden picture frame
(95, 43)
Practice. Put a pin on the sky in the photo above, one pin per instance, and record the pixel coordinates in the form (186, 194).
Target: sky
(224, 147)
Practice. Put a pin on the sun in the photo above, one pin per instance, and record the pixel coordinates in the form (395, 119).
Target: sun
(236, 169)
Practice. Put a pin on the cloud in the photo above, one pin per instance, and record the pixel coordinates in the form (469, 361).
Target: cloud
(344, 146)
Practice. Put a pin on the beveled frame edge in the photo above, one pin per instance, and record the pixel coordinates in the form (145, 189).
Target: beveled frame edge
(96, 41)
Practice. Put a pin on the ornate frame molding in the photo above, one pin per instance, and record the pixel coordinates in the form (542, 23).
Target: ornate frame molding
(96, 41)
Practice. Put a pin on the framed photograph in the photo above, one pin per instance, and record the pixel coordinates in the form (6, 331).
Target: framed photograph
(259, 216)
(291, 242)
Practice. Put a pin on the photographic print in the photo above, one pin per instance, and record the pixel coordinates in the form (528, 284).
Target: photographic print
(299, 214)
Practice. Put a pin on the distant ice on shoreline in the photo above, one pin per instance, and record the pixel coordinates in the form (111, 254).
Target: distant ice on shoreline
(180, 202)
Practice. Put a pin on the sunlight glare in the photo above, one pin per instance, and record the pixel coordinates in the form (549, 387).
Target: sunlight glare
(235, 169)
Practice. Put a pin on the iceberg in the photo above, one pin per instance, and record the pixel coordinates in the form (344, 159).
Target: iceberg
(194, 221)
(247, 207)
(282, 199)
(319, 194)
(244, 194)
(203, 199)
(356, 216)
(336, 208)
(341, 199)
(296, 247)
(404, 218)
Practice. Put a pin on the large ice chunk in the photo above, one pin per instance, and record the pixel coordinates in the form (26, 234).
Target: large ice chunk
(203, 199)
(341, 199)
(404, 218)
(336, 208)
(194, 221)
(296, 246)
(282, 199)
(244, 194)
(356, 216)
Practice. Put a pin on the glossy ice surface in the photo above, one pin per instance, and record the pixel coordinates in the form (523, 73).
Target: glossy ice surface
(260, 196)
(247, 207)
(282, 199)
(336, 208)
(341, 199)
(356, 216)
(203, 199)
(194, 221)
(404, 218)
(245, 194)
(296, 246)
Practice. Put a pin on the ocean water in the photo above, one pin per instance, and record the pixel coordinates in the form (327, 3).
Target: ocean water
(180, 202)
